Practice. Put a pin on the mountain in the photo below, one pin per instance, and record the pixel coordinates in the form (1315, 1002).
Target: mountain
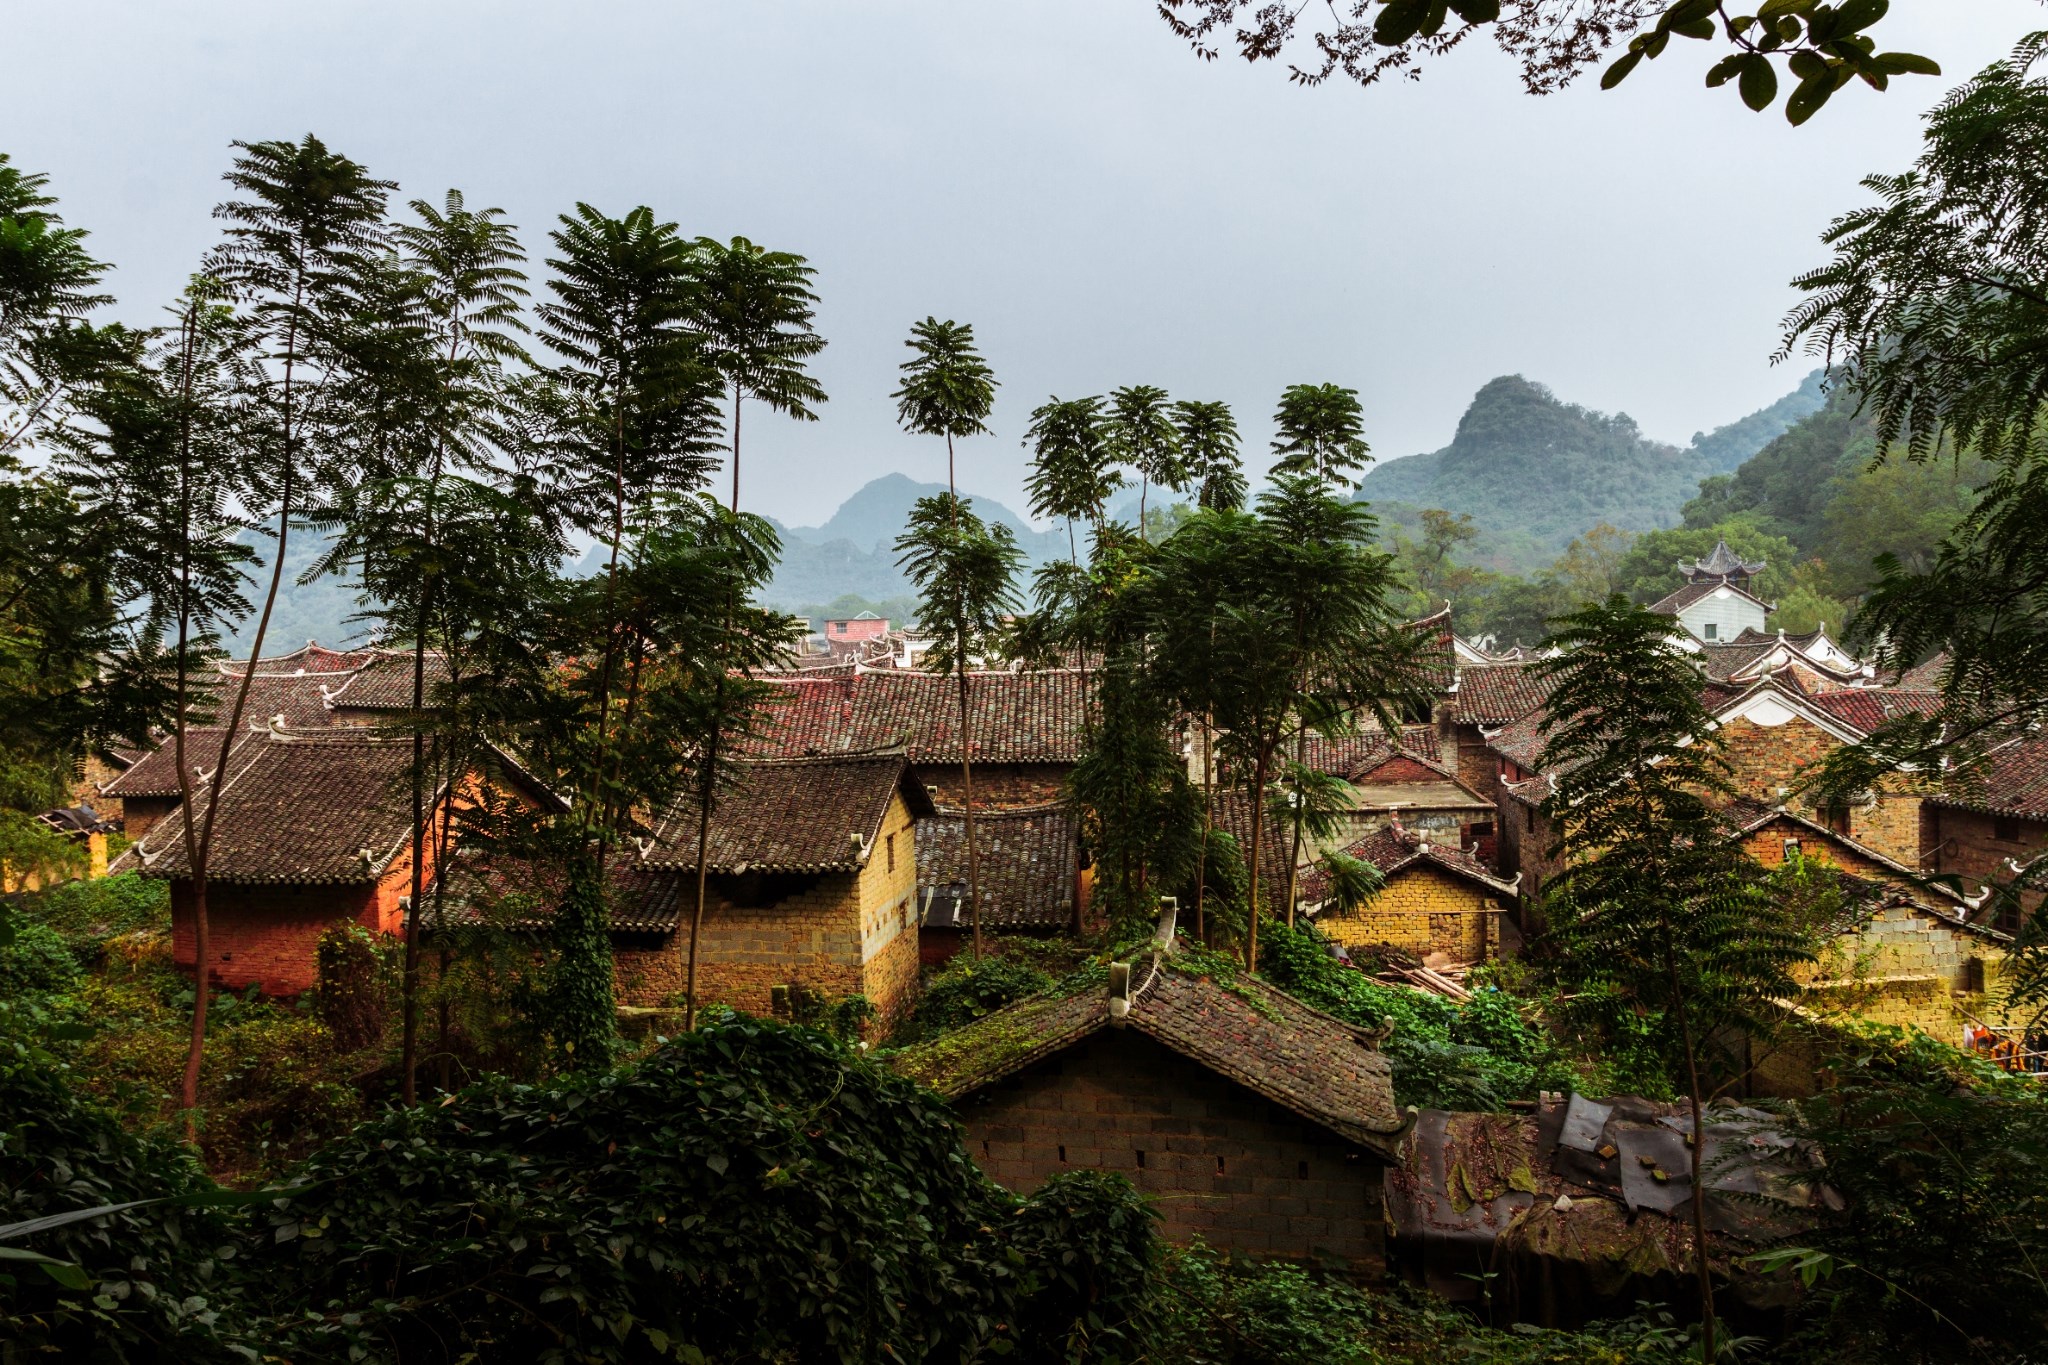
(1533, 471)
(855, 550)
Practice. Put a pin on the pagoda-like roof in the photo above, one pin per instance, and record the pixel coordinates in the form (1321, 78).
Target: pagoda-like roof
(1723, 564)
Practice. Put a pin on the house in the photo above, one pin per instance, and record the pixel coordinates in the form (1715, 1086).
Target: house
(1715, 603)
(1258, 1124)
(1481, 699)
(1035, 876)
(1402, 781)
(845, 635)
(811, 878)
(148, 790)
(1813, 658)
(313, 830)
(1988, 820)
(1435, 900)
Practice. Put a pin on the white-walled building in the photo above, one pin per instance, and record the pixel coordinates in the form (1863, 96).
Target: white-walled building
(1715, 604)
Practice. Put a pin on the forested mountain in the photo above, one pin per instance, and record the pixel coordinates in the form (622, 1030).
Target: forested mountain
(1533, 471)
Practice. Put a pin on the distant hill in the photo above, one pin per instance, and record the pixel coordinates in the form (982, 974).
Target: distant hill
(1533, 471)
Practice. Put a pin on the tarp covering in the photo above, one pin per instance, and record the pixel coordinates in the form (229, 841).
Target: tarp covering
(1582, 1208)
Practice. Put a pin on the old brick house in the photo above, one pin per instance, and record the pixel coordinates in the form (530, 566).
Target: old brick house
(1484, 699)
(812, 875)
(1258, 1124)
(1989, 820)
(313, 830)
(1035, 876)
(1437, 901)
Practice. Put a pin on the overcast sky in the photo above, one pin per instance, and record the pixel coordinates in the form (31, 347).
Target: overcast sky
(1063, 174)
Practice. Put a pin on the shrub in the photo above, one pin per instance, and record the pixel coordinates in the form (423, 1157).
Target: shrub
(87, 912)
(967, 988)
(35, 961)
(750, 1191)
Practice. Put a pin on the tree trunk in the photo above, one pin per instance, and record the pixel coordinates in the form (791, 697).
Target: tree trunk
(1300, 800)
(735, 446)
(197, 855)
(705, 782)
(1208, 823)
(1695, 1151)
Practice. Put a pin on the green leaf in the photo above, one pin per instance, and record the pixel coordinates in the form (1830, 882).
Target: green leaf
(1906, 64)
(1808, 66)
(1807, 99)
(718, 1162)
(1686, 13)
(1857, 15)
(1698, 28)
(1773, 9)
(1725, 70)
(68, 1275)
(1759, 84)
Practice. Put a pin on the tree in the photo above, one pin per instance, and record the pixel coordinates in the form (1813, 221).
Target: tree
(1823, 46)
(1139, 431)
(1321, 432)
(464, 283)
(633, 413)
(947, 388)
(753, 310)
(964, 571)
(1588, 570)
(48, 283)
(294, 245)
(1278, 620)
(1072, 476)
(1208, 446)
(1648, 569)
(1898, 507)
(1659, 921)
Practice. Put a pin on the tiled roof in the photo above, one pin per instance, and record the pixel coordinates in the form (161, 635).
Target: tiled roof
(1394, 851)
(1520, 741)
(2011, 778)
(1866, 708)
(311, 658)
(1675, 602)
(792, 815)
(1233, 817)
(308, 807)
(1438, 663)
(385, 682)
(518, 895)
(1927, 674)
(156, 773)
(1246, 1031)
(1495, 694)
(1367, 749)
(1721, 564)
(1031, 717)
(1722, 660)
(1027, 860)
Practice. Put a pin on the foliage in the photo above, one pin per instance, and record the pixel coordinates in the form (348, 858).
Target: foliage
(1320, 430)
(1649, 569)
(35, 960)
(1824, 47)
(1475, 1056)
(748, 1191)
(947, 389)
(1209, 448)
(89, 911)
(1942, 1163)
(1138, 429)
(149, 1283)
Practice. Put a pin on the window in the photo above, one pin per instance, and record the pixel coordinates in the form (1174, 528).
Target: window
(1529, 819)
(890, 844)
(2006, 830)
(1709, 631)
(1835, 815)
(1791, 850)
(1482, 830)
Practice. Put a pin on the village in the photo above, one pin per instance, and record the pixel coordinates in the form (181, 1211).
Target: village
(550, 813)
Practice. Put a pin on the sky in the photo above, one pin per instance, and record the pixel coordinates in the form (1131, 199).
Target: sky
(1103, 207)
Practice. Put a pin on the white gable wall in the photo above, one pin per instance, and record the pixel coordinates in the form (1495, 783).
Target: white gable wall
(1725, 609)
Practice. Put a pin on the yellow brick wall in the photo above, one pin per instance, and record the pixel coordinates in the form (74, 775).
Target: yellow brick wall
(1908, 970)
(848, 934)
(1420, 911)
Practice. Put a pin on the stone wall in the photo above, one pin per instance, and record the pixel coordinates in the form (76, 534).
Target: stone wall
(1223, 1163)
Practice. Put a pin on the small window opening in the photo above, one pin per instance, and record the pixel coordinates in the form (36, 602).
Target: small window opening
(1529, 819)
(1219, 1165)
(1141, 1160)
(1709, 631)
(984, 1147)
(1791, 850)
(1063, 1154)
(2005, 830)
(1301, 1170)
(890, 844)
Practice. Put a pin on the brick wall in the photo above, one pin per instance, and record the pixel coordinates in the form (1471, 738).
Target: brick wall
(1766, 758)
(840, 933)
(1907, 969)
(266, 935)
(1420, 911)
(141, 814)
(1767, 846)
(1223, 1163)
(1967, 843)
(997, 786)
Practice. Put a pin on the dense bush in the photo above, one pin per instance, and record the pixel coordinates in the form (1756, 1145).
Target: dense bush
(1474, 1056)
(151, 1283)
(751, 1191)
(1942, 1160)
(967, 988)
(87, 912)
(35, 960)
